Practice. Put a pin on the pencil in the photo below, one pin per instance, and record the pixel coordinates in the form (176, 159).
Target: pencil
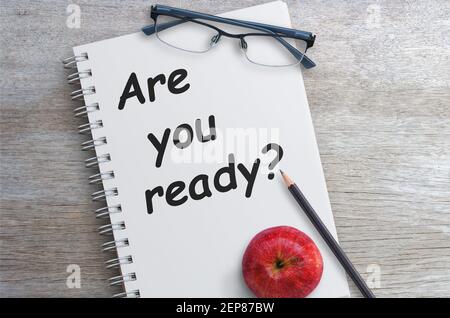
(327, 236)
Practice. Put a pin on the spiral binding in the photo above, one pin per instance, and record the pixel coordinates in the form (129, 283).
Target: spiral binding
(80, 93)
(95, 161)
(91, 144)
(131, 294)
(98, 178)
(113, 245)
(109, 228)
(75, 78)
(116, 262)
(87, 128)
(71, 62)
(102, 194)
(86, 109)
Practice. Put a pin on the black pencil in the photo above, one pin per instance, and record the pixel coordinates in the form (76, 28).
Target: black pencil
(328, 237)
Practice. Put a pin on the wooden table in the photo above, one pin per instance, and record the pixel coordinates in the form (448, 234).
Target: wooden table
(380, 101)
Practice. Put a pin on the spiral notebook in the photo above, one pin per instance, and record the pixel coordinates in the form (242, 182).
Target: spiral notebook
(176, 230)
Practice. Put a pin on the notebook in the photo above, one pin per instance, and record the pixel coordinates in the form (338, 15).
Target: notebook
(175, 231)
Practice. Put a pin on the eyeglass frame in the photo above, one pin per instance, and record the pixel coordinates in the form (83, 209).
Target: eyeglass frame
(279, 33)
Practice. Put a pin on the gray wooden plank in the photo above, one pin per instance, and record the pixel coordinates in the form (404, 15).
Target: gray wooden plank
(380, 104)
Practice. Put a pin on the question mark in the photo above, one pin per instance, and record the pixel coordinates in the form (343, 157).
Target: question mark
(277, 148)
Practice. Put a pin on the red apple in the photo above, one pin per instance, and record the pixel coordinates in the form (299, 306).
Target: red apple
(282, 262)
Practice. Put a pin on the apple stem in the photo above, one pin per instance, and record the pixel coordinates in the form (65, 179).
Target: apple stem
(279, 263)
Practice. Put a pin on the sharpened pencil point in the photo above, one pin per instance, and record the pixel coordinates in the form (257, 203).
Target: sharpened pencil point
(286, 179)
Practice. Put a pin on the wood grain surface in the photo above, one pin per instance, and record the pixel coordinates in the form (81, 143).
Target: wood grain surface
(380, 101)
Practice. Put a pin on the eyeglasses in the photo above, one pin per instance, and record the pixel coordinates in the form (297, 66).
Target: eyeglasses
(263, 44)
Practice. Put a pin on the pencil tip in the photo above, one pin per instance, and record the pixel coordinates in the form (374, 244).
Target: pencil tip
(286, 179)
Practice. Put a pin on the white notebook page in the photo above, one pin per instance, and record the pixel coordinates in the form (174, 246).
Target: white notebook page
(195, 249)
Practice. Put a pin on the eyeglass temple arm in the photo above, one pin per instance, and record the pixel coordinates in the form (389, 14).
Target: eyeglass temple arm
(150, 29)
(298, 34)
